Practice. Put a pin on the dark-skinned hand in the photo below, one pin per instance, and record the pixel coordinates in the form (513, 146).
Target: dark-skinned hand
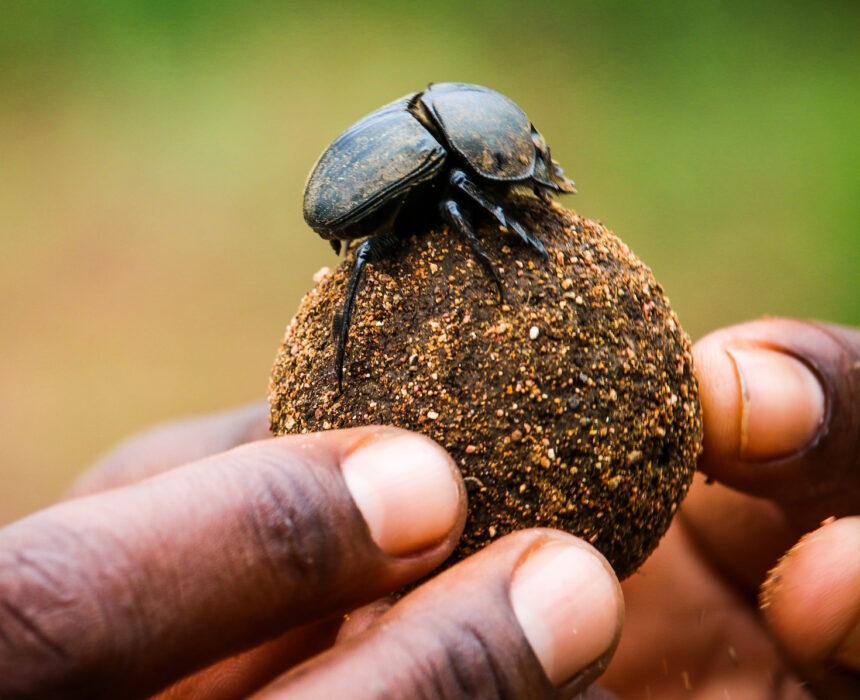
(206, 560)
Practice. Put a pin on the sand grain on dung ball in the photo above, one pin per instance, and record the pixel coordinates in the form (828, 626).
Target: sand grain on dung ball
(571, 403)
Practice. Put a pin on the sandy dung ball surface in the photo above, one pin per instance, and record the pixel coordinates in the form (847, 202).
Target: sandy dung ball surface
(570, 404)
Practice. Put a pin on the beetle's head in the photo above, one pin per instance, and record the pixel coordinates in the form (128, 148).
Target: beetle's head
(548, 171)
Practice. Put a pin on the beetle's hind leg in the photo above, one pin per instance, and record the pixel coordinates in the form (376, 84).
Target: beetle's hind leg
(370, 250)
(455, 218)
(460, 180)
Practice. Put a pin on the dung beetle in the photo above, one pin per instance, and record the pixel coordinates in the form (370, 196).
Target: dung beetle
(454, 146)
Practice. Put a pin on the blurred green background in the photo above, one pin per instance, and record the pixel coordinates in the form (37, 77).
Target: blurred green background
(153, 155)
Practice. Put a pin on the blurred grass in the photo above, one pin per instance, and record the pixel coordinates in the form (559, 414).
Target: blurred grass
(153, 155)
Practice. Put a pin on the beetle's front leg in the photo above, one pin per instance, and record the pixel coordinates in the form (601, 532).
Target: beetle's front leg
(460, 180)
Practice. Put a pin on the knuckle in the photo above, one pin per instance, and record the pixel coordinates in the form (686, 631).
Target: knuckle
(471, 666)
(51, 618)
(458, 659)
(290, 507)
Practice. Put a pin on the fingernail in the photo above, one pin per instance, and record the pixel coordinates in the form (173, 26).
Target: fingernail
(782, 405)
(567, 604)
(406, 490)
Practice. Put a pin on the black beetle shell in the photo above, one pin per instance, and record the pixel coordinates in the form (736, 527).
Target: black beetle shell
(486, 128)
(360, 181)
(368, 166)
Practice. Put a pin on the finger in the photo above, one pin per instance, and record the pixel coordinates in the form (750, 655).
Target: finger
(131, 588)
(536, 614)
(359, 620)
(173, 444)
(241, 675)
(691, 633)
(811, 602)
(781, 407)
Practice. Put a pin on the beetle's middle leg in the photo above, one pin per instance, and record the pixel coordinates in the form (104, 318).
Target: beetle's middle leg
(370, 250)
(452, 215)
(461, 181)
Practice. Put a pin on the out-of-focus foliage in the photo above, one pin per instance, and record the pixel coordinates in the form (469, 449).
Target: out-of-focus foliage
(153, 154)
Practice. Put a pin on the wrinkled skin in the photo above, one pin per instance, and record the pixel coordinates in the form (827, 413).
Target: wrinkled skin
(181, 550)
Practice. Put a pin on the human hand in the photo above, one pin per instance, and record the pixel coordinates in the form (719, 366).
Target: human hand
(692, 617)
(783, 460)
(211, 579)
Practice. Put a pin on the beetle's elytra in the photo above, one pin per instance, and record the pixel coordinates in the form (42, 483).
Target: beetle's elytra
(457, 146)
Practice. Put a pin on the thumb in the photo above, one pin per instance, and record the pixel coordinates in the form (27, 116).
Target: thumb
(781, 405)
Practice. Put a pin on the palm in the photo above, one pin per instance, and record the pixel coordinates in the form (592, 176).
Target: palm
(692, 625)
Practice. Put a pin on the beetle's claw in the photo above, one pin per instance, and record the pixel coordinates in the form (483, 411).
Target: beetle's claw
(337, 327)
(542, 194)
(528, 237)
(338, 334)
(564, 185)
(500, 289)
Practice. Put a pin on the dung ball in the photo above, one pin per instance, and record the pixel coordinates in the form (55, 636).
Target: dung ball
(569, 403)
